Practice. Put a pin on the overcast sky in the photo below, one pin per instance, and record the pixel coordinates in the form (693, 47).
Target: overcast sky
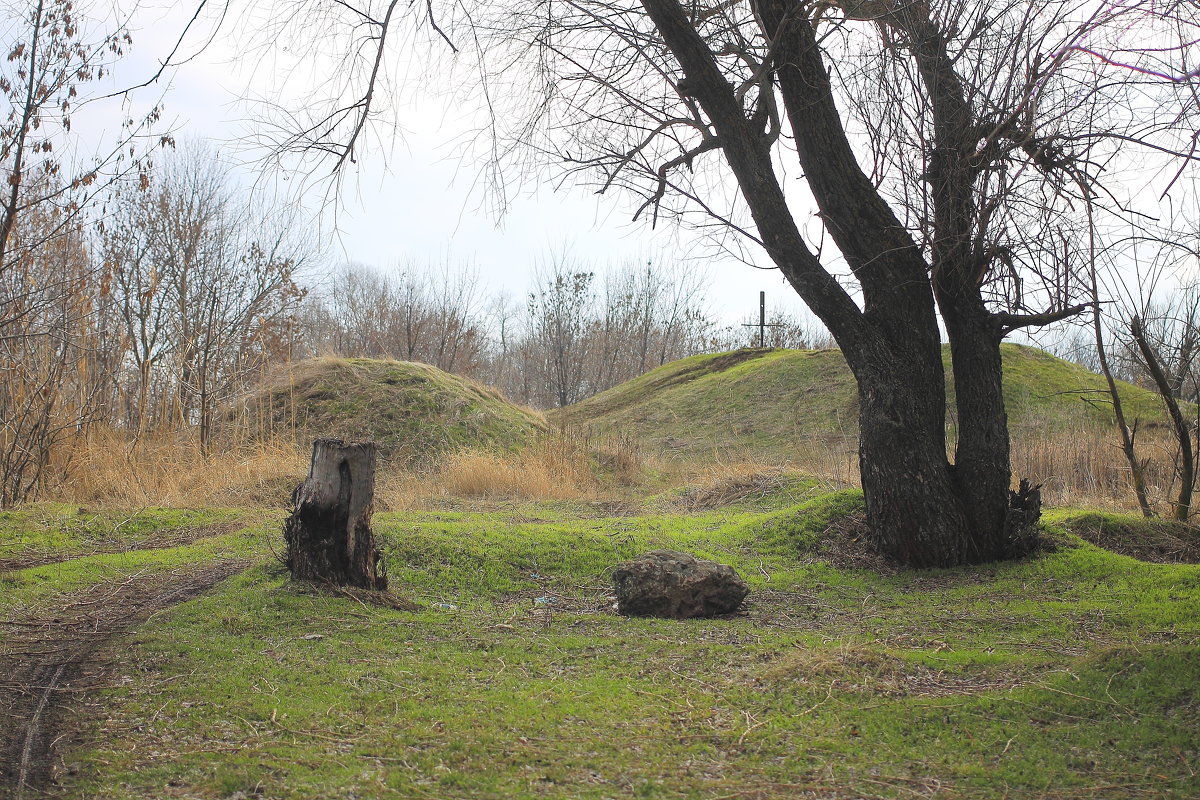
(410, 200)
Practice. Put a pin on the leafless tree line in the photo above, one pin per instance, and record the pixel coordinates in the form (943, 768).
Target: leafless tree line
(576, 333)
(156, 310)
(148, 314)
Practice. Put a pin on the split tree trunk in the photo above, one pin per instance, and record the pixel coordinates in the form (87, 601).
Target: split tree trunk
(923, 512)
(982, 461)
(328, 535)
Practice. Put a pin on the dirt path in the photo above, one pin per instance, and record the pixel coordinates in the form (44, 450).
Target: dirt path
(48, 660)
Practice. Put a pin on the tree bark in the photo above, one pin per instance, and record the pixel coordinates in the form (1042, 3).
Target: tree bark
(982, 461)
(915, 515)
(328, 534)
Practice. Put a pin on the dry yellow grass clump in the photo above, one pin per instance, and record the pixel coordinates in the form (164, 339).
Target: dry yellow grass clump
(561, 465)
(111, 467)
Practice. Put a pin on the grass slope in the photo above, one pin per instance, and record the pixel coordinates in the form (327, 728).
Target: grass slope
(1070, 675)
(763, 401)
(412, 410)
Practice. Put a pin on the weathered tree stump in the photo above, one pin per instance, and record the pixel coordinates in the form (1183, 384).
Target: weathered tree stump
(328, 534)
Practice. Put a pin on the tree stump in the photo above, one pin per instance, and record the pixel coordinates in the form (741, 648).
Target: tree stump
(328, 534)
(1021, 524)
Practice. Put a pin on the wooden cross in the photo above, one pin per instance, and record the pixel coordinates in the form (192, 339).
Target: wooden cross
(762, 323)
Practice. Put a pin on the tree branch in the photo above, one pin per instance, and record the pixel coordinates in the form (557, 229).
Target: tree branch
(1010, 322)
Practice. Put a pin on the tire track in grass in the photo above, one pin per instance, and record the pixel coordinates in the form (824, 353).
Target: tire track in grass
(49, 658)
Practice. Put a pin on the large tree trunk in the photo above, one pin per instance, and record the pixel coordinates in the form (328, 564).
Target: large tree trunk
(982, 462)
(923, 511)
(914, 512)
(328, 535)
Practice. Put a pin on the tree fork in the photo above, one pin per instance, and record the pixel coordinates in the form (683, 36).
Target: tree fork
(328, 534)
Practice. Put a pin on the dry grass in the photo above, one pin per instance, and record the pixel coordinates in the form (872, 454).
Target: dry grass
(722, 485)
(1086, 467)
(171, 470)
(557, 467)
(863, 669)
(111, 468)
(1082, 468)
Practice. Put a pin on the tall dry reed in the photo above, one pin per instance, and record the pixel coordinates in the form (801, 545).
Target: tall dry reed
(166, 469)
(1080, 467)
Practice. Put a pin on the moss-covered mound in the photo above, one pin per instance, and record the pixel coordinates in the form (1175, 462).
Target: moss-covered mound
(1158, 541)
(761, 402)
(414, 411)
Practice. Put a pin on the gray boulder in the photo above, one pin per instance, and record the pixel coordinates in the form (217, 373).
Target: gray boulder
(674, 585)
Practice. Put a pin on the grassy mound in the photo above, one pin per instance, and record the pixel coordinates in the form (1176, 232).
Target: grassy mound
(1157, 541)
(762, 401)
(412, 410)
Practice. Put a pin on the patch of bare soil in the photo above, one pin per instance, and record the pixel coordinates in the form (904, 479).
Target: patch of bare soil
(48, 660)
(159, 540)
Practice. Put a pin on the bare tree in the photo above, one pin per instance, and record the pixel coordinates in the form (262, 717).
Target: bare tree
(558, 327)
(49, 289)
(1183, 429)
(49, 387)
(205, 286)
(949, 149)
(416, 314)
(648, 315)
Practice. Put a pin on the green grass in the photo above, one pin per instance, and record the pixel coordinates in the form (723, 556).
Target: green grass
(767, 403)
(1072, 674)
(413, 411)
(57, 530)
(250, 536)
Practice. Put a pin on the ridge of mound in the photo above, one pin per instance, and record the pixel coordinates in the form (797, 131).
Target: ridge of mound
(761, 401)
(412, 410)
(1155, 540)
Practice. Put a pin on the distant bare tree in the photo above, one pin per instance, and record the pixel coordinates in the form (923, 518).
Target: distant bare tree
(558, 322)
(433, 316)
(649, 315)
(205, 286)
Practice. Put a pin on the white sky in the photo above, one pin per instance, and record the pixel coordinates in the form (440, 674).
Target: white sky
(411, 201)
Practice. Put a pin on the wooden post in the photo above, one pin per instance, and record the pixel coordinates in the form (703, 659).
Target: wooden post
(328, 535)
(762, 319)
